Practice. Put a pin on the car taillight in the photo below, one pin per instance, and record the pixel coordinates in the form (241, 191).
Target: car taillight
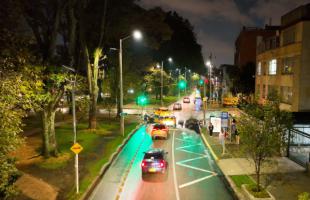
(143, 164)
(162, 163)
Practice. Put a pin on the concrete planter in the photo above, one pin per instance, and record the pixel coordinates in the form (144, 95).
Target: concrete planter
(251, 197)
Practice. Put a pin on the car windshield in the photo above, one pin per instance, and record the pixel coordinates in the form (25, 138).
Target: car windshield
(159, 126)
(153, 156)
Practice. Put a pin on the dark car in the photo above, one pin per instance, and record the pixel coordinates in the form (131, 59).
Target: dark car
(193, 124)
(154, 161)
(177, 106)
(186, 100)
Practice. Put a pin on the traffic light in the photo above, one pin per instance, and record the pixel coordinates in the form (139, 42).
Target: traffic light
(182, 84)
(142, 100)
(200, 82)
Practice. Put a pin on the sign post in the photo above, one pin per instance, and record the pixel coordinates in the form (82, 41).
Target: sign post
(76, 148)
(224, 121)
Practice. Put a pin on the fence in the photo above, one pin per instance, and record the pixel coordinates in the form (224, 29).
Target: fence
(299, 146)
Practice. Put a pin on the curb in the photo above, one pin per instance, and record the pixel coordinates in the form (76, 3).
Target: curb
(106, 166)
(227, 181)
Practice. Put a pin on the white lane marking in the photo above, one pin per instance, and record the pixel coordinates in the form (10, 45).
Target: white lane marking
(181, 140)
(196, 168)
(174, 172)
(195, 181)
(192, 145)
(191, 152)
(188, 160)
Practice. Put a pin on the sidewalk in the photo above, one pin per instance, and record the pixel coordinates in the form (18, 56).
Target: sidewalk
(286, 178)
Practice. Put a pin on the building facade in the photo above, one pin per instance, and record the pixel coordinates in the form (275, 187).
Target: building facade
(283, 62)
(246, 42)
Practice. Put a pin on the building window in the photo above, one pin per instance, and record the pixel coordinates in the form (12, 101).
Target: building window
(264, 92)
(272, 91)
(272, 69)
(259, 68)
(288, 64)
(289, 36)
(286, 94)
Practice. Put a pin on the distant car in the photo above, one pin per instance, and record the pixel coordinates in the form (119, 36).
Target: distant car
(154, 161)
(159, 131)
(177, 106)
(168, 121)
(186, 100)
(193, 124)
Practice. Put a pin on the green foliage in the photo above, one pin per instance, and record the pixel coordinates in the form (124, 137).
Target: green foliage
(263, 133)
(239, 180)
(304, 196)
(16, 97)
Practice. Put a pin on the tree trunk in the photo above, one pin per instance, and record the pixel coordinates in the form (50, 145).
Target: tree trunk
(92, 123)
(49, 136)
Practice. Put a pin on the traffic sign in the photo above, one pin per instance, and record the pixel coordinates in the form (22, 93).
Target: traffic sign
(224, 115)
(76, 148)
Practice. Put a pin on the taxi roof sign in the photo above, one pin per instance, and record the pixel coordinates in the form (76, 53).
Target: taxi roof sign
(76, 148)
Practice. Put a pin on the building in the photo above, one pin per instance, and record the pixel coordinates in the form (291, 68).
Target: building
(283, 62)
(246, 42)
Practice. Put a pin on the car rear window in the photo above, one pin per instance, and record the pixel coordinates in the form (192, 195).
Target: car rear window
(159, 126)
(153, 155)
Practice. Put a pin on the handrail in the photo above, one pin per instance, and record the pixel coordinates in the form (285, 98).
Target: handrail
(301, 133)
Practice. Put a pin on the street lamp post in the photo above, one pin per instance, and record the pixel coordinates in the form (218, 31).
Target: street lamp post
(162, 80)
(209, 64)
(76, 161)
(138, 36)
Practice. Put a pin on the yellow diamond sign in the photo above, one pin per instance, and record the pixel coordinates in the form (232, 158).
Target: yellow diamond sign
(76, 148)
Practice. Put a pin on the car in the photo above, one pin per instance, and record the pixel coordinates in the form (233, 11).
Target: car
(168, 121)
(177, 106)
(186, 100)
(193, 124)
(154, 161)
(159, 131)
(162, 111)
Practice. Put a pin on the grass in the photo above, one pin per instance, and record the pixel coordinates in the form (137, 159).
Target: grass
(239, 180)
(94, 166)
(98, 145)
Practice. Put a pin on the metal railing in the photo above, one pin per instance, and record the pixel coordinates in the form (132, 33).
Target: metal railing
(298, 146)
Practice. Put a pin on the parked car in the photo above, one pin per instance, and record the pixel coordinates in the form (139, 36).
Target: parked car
(154, 161)
(159, 131)
(193, 124)
(177, 106)
(186, 100)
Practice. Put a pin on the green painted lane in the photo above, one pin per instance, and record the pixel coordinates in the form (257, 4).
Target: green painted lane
(198, 176)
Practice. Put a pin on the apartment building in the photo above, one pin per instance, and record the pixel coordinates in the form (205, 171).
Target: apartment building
(283, 62)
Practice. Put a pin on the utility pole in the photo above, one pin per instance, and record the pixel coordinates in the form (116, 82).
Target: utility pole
(121, 100)
(162, 83)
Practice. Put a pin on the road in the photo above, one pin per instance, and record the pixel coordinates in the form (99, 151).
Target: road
(192, 173)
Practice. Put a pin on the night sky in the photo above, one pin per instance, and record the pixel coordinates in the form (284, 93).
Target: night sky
(218, 22)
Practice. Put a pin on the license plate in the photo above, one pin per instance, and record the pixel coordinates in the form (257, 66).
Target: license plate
(152, 170)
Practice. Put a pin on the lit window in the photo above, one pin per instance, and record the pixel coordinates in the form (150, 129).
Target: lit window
(272, 67)
(288, 64)
(259, 68)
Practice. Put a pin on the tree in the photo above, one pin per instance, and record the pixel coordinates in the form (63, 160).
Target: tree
(263, 133)
(182, 46)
